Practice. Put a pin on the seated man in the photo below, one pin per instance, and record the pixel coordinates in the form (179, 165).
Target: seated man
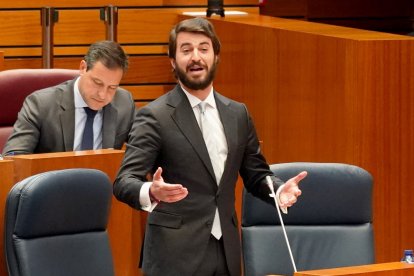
(54, 119)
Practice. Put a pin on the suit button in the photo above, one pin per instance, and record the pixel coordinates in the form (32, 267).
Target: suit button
(208, 223)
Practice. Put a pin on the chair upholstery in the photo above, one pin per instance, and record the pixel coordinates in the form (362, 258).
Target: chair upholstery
(329, 226)
(16, 84)
(55, 225)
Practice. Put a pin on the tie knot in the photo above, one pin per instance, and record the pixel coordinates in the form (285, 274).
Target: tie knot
(90, 112)
(202, 106)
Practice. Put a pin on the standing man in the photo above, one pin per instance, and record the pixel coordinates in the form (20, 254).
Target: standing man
(195, 142)
(56, 119)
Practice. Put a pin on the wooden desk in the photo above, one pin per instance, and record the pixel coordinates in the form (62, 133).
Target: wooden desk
(125, 224)
(1, 60)
(6, 183)
(386, 269)
(325, 93)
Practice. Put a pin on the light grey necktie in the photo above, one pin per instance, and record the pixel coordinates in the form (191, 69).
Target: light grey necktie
(208, 134)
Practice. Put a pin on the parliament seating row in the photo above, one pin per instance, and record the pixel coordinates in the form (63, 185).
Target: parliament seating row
(142, 29)
(125, 225)
(325, 94)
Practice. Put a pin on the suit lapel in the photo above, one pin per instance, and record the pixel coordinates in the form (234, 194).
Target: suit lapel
(109, 119)
(67, 117)
(228, 119)
(185, 120)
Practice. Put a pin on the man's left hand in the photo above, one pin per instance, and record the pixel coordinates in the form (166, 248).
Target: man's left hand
(290, 190)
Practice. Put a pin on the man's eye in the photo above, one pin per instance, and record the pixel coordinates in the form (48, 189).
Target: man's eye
(97, 83)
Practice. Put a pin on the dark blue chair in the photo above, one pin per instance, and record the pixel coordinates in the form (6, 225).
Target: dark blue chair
(329, 226)
(55, 225)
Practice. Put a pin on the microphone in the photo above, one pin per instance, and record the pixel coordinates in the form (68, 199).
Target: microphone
(272, 194)
(215, 6)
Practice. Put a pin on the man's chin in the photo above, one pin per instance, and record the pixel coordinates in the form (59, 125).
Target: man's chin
(196, 86)
(96, 106)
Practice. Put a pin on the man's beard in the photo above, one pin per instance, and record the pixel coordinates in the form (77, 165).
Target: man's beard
(197, 84)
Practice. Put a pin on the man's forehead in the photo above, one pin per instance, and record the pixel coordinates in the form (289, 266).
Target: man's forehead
(189, 38)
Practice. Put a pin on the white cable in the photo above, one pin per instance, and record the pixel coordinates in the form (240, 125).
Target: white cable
(270, 184)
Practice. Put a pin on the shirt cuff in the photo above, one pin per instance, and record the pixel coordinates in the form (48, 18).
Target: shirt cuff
(144, 198)
(283, 209)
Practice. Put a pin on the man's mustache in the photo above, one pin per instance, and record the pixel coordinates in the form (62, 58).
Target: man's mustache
(196, 63)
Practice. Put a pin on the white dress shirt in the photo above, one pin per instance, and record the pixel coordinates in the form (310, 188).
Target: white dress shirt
(144, 197)
(80, 119)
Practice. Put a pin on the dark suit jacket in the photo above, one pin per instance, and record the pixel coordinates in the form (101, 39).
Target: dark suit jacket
(166, 134)
(46, 122)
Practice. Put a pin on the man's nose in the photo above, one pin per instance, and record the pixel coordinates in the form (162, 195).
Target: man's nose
(195, 56)
(102, 92)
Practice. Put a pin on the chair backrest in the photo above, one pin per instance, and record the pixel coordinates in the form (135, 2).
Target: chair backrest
(16, 84)
(329, 226)
(55, 224)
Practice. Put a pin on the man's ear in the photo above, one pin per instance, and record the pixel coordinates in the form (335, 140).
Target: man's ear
(83, 67)
(173, 64)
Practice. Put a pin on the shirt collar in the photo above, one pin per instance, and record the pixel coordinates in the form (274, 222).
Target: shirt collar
(79, 102)
(194, 101)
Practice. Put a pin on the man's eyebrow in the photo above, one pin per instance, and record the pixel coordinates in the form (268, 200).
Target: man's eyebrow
(102, 82)
(96, 79)
(190, 44)
(185, 44)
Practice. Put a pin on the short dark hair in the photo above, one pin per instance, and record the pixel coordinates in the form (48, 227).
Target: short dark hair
(108, 52)
(193, 25)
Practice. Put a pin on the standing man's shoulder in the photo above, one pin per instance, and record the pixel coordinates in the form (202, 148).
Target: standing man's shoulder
(172, 98)
(233, 104)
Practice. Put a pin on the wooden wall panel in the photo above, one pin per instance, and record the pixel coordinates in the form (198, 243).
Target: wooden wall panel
(65, 51)
(386, 139)
(20, 28)
(145, 26)
(83, 26)
(143, 29)
(120, 3)
(322, 93)
(359, 8)
(142, 69)
(78, 27)
(147, 78)
(149, 69)
(18, 63)
(285, 8)
(1, 60)
(393, 16)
